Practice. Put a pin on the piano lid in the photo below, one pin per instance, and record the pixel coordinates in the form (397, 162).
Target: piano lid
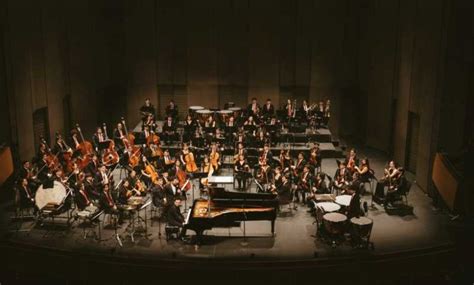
(220, 194)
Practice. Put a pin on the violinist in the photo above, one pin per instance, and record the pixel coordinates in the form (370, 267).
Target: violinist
(342, 177)
(276, 179)
(268, 110)
(135, 181)
(168, 161)
(169, 130)
(285, 160)
(93, 166)
(265, 155)
(351, 160)
(106, 200)
(299, 166)
(147, 109)
(263, 176)
(242, 172)
(82, 198)
(240, 151)
(290, 110)
(101, 178)
(150, 123)
(315, 158)
(172, 110)
(91, 189)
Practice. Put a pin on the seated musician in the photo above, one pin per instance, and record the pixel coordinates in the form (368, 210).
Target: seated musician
(97, 138)
(299, 165)
(168, 161)
(242, 172)
(215, 158)
(126, 190)
(169, 130)
(285, 161)
(240, 150)
(93, 192)
(172, 110)
(262, 139)
(219, 137)
(391, 173)
(284, 191)
(26, 171)
(147, 109)
(315, 158)
(319, 114)
(189, 128)
(240, 139)
(253, 109)
(82, 198)
(107, 202)
(101, 178)
(393, 190)
(342, 178)
(263, 176)
(364, 170)
(351, 160)
(277, 177)
(210, 123)
(26, 194)
(61, 149)
(172, 188)
(268, 110)
(135, 182)
(304, 184)
(93, 165)
(305, 111)
(173, 214)
(206, 167)
(250, 123)
(187, 159)
(266, 155)
(290, 110)
(272, 129)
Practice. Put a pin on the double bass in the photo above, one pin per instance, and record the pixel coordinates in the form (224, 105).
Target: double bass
(86, 149)
(110, 155)
(129, 142)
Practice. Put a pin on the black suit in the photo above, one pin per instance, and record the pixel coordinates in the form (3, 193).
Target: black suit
(268, 111)
(174, 216)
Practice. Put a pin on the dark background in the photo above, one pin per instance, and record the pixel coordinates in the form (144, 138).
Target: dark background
(399, 72)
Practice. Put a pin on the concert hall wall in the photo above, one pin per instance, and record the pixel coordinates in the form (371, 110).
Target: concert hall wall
(94, 61)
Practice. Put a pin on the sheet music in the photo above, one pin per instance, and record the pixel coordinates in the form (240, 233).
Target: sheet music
(187, 217)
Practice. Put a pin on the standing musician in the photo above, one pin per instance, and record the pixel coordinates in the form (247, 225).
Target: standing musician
(27, 196)
(315, 158)
(342, 178)
(304, 183)
(215, 158)
(253, 109)
(327, 113)
(146, 110)
(242, 172)
(189, 128)
(82, 198)
(168, 161)
(169, 130)
(290, 109)
(97, 138)
(172, 110)
(299, 165)
(266, 155)
(187, 159)
(119, 136)
(268, 111)
(305, 110)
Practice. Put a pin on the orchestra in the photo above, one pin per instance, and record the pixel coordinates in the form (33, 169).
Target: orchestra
(166, 173)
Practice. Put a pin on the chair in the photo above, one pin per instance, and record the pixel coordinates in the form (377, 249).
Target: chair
(172, 232)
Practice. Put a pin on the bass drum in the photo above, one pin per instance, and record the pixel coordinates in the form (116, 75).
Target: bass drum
(55, 195)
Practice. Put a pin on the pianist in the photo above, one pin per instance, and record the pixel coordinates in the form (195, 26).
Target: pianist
(174, 216)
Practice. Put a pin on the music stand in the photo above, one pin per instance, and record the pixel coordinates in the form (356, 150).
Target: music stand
(104, 145)
(140, 140)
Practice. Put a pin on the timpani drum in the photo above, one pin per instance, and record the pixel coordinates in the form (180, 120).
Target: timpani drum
(193, 109)
(203, 115)
(344, 200)
(50, 196)
(236, 111)
(334, 223)
(361, 228)
(224, 114)
(324, 208)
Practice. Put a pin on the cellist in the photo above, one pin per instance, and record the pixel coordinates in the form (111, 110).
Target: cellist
(187, 159)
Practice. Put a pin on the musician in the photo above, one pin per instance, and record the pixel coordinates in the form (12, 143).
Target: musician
(277, 177)
(97, 138)
(169, 130)
(135, 181)
(173, 215)
(304, 183)
(106, 200)
(42, 149)
(147, 109)
(319, 184)
(240, 139)
(263, 176)
(61, 149)
(268, 110)
(284, 191)
(146, 132)
(342, 177)
(266, 155)
(215, 157)
(240, 151)
(172, 189)
(92, 190)
(187, 159)
(285, 160)
(26, 171)
(262, 139)
(299, 166)
(398, 183)
(351, 160)
(150, 123)
(242, 172)
(364, 170)
(272, 129)
(327, 112)
(119, 136)
(210, 122)
(126, 191)
(101, 178)
(189, 128)
(391, 174)
(290, 109)
(231, 122)
(158, 193)
(315, 158)
(81, 198)
(172, 110)
(168, 160)
(305, 110)
(27, 196)
(93, 165)
(253, 109)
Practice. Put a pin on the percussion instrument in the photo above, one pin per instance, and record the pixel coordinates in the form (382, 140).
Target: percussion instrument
(236, 111)
(126, 208)
(135, 201)
(334, 223)
(202, 115)
(224, 114)
(344, 200)
(193, 109)
(50, 196)
(88, 212)
(328, 207)
(324, 198)
(361, 227)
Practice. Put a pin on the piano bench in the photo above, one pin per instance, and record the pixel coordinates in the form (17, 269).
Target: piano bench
(172, 232)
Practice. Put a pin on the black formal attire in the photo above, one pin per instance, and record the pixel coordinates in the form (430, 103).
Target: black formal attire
(172, 112)
(268, 111)
(174, 216)
(241, 173)
(284, 193)
(169, 132)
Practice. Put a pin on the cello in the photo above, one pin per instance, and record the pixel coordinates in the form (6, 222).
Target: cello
(129, 143)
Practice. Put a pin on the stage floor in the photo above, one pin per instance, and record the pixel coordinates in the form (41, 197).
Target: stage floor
(294, 238)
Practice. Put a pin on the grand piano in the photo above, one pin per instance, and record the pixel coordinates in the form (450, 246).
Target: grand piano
(228, 209)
